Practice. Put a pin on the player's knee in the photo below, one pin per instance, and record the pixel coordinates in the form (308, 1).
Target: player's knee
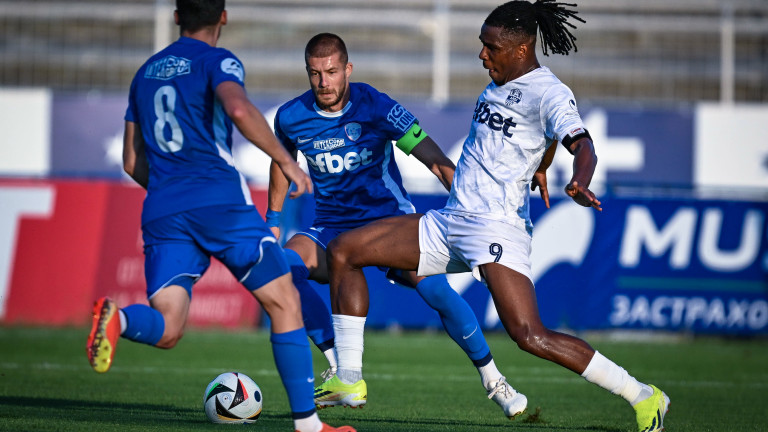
(284, 300)
(341, 253)
(337, 256)
(438, 294)
(530, 339)
(170, 339)
(271, 265)
(279, 293)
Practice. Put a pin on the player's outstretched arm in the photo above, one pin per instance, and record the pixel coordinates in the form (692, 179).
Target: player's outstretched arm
(134, 157)
(584, 163)
(430, 154)
(540, 176)
(278, 188)
(251, 123)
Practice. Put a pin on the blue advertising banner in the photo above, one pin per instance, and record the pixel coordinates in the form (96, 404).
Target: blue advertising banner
(671, 264)
(635, 146)
(674, 264)
(87, 135)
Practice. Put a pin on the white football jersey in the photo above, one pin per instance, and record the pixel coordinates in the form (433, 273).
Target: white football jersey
(512, 127)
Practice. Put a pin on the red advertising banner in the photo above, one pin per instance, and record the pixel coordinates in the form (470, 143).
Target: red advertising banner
(65, 243)
(54, 235)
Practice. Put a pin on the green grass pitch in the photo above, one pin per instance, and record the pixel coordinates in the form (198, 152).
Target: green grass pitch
(416, 381)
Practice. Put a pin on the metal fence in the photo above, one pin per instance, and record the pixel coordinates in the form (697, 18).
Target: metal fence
(659, 52)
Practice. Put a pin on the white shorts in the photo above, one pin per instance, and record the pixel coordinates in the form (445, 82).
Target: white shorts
(451, 243)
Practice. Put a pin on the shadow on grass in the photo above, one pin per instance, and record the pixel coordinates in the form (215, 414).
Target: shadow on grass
(85, 411)
(375, 423)
(97, 414)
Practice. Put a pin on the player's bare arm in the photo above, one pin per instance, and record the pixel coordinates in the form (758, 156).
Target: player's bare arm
(251, 123)
(584, 162)
(540, 176)
(430, 154)
(134, 159)
(278, 188)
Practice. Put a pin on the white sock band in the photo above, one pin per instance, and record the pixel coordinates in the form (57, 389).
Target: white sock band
(123, 321)
(612, 377)
(349, 341)
(489, 374)
(330, 354)
(308, 424)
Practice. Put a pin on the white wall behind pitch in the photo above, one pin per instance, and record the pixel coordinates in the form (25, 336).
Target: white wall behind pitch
(25, 131)
(730, 146)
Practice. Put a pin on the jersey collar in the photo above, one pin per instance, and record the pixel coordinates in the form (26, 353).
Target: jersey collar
(332, 114)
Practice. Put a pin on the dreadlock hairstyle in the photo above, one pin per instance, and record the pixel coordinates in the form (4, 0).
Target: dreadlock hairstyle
(522, 18)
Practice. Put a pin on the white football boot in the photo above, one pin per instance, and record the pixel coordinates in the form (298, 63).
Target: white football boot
(512, 402)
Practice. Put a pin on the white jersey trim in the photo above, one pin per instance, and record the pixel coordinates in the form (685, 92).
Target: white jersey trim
(327, 114)
(402, 202)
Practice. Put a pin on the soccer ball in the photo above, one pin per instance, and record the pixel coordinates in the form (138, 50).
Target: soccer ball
(232, 398)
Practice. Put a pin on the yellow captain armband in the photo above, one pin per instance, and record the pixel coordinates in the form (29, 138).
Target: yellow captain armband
(411, 138)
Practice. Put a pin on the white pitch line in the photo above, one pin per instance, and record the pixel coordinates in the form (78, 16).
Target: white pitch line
(521, 375)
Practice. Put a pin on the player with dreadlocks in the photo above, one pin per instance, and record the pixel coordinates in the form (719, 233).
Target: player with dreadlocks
(485, 227)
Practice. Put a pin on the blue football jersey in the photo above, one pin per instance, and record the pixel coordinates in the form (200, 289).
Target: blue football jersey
(188, 135)
(349, 153)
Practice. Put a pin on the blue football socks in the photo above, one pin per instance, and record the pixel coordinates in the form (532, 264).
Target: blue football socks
(294, 364)
(458, 318)
(317, 317)
(143, 324)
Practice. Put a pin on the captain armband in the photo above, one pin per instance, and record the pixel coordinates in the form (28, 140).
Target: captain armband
(411, 139)
(574, 136)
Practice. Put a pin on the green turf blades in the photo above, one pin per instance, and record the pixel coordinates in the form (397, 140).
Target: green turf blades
(417, 382)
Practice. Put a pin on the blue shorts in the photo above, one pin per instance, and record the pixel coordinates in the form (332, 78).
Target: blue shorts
(322, 236)
(178, 248)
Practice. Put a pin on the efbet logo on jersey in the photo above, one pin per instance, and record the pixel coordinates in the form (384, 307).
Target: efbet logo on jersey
(335, 163)
(400, 118)
(515, 96)
(494, 120)
(168, 67)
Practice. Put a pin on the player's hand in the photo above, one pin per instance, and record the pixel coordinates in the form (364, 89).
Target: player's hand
(540, 181)
(582, 196)
(275, 232)
(294, 173)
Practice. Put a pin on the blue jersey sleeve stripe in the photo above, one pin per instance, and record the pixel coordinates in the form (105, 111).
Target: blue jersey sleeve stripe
(402, 202)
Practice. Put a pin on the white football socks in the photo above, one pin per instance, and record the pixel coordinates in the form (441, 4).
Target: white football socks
(308, 424)
(330, 354)
(615, 379)
(489, 374)
(123, 321)
(349, 347)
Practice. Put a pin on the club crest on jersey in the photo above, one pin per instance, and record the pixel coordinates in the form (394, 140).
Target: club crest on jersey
(232, 66)
(168, 67)
(353, 131)
(515, 96)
